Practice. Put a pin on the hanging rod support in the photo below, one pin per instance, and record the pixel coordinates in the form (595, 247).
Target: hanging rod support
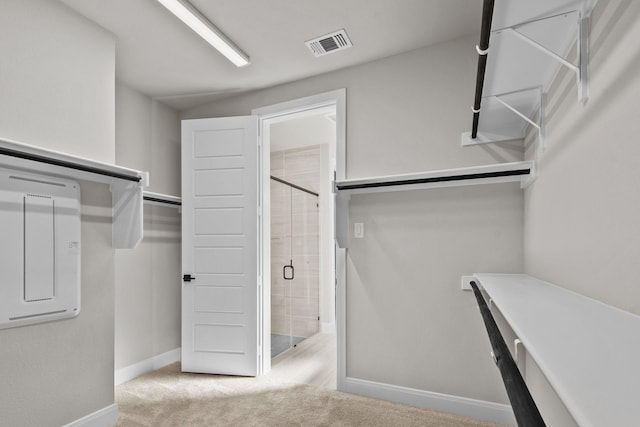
(581, 70)
(520, 356)
(583, 59)
(543, 49)
(525, 118)
(533, 21)
(482, 52)
(513, 92)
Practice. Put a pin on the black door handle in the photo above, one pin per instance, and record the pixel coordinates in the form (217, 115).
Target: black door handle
(284, 271)
(188, 278)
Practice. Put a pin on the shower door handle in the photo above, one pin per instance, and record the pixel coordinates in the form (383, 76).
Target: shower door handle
(292, 269)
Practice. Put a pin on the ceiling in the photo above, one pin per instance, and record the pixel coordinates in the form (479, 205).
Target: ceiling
(159, 56)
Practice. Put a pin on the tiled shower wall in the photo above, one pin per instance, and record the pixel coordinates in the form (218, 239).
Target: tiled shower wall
(295, 237)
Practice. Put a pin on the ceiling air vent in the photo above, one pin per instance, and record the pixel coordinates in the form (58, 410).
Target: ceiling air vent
(329, 43)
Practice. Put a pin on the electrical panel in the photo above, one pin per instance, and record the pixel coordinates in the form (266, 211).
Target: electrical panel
(39, 248)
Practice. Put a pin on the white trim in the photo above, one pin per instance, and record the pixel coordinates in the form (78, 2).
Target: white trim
(272, 114)
(104, 417)
(341, 315)
(467, 407)
(130, 372)
(327, 327)
(62, 171)
(336, 97)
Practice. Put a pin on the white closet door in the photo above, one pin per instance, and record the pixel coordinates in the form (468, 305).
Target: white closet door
(220, 246)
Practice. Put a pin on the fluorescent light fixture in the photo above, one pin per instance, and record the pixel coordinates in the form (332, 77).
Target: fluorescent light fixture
(195, 20)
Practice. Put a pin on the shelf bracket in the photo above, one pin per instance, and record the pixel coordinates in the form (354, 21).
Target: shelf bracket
(540, 125)
(581, 70)
(342, 218)
(128, 222)
(485, 138)
(518, 113)
(520, 356)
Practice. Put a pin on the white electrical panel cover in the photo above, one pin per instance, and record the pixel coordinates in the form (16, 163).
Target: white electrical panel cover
(39, 248)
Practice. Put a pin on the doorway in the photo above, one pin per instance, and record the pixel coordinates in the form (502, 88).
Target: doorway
(303, 150)
(299, 150)
(226, 312)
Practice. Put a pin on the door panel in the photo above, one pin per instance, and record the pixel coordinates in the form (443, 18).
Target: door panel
(220, 246)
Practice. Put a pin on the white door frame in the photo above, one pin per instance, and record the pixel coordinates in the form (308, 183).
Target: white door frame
(266, 116)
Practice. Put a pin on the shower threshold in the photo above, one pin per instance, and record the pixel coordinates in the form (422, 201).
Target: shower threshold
(280, 343)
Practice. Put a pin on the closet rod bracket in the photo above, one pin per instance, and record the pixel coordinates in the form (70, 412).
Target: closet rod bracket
(581, 70)
(486, 138)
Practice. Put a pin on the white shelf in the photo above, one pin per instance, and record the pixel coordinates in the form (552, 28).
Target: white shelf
(519, 72)
(522, 172)
(588, 351)
(439, 178)
(126, 184)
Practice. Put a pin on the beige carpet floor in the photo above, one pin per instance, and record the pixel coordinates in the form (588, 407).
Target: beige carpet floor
(167, 397)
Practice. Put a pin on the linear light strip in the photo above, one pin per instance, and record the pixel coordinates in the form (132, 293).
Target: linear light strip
(195, 20)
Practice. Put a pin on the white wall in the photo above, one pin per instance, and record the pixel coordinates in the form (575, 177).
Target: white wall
(408, 324)
(581, 227)
(147, 295)
(57, 79)
(57, 91)
(581, 214)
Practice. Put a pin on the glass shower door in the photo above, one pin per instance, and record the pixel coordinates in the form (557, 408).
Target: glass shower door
(294, 266)
(305, 292)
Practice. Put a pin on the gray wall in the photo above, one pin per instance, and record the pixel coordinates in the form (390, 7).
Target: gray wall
(147, 288)
(581, 214)
(57, 86)
(408, 322)
(57, 79)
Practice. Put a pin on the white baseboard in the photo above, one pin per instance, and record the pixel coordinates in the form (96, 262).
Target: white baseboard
(130, 372)
(473, 408)
(327, 327)
(104, 417)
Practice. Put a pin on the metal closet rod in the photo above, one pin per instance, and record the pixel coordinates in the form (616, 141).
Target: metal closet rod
(483, 50)
(482, 175)
(67, 164)
(297, 187)
(523, 405)
(158, 200)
